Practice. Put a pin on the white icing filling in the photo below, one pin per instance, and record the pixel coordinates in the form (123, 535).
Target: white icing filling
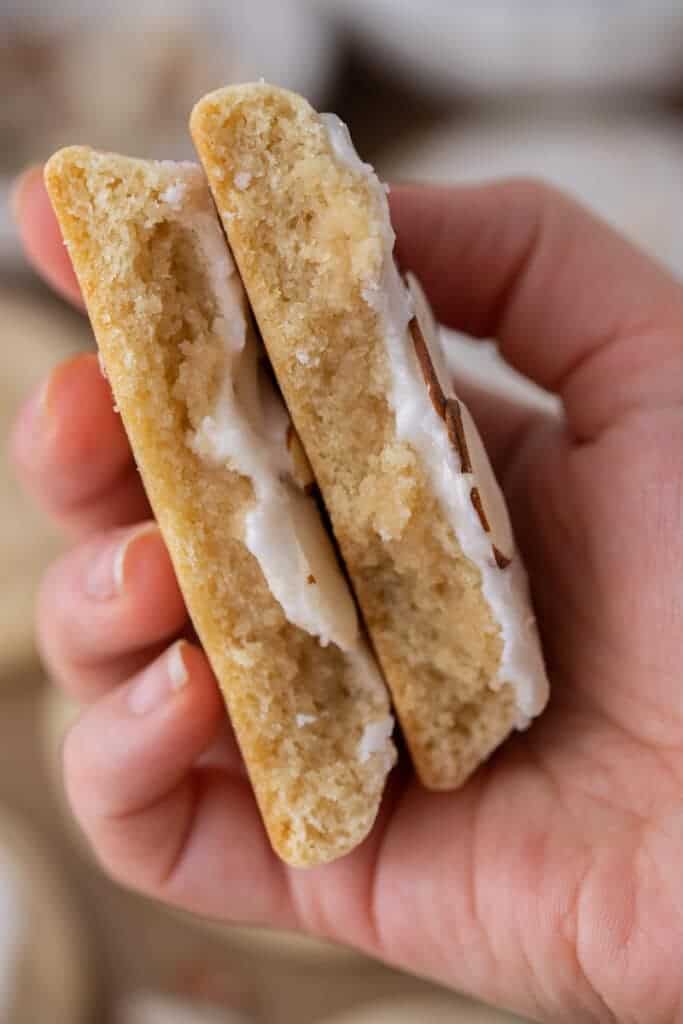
(11, 915)
(482, 475)
(375, 737)
(343, 147)
(247, 430)
(418, 424)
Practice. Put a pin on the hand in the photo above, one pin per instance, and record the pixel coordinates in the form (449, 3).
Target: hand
(552, 882)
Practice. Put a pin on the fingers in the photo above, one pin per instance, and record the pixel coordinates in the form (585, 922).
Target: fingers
(103, 606)
(111, 771)
(40, 235)
(158, 819)
(71, 451)
(573, 305)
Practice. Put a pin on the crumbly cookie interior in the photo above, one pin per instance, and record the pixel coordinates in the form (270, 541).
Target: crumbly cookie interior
(308, 240)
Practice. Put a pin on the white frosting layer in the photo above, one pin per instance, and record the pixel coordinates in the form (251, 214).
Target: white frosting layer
(343, 147)
(247, 430)
(374, 738)
(481, 475)
(11, 933)
(418, 424)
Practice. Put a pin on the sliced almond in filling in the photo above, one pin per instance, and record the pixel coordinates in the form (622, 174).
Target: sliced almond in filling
(302, 474)
(485, 495)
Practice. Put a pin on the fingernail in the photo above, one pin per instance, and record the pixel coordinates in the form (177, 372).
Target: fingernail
(107, 574)
(161, 680)
(19, 187)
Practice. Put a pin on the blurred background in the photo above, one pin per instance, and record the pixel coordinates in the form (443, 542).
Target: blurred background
(586, 93)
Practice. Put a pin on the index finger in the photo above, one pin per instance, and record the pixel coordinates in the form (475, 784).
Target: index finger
(41, 237)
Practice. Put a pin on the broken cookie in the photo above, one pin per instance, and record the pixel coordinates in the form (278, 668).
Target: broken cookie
(230, 486)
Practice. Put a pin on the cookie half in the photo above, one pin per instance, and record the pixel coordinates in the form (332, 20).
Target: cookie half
(415, 507)
(231, 489)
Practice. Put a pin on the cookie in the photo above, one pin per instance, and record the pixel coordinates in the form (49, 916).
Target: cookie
(233, 495)
(415, 507)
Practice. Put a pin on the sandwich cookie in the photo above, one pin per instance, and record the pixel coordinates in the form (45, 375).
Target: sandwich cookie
(232, 491)
(414, 504)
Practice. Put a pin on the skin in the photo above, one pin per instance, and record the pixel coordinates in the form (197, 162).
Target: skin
(551, 883)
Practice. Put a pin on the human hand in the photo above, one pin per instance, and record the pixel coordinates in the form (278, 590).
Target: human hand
(551, 882)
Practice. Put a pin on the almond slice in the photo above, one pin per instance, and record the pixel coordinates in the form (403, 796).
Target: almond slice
(494, 513)
(302, 474)
(427, 367)
(456, 433)
(485, 494)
